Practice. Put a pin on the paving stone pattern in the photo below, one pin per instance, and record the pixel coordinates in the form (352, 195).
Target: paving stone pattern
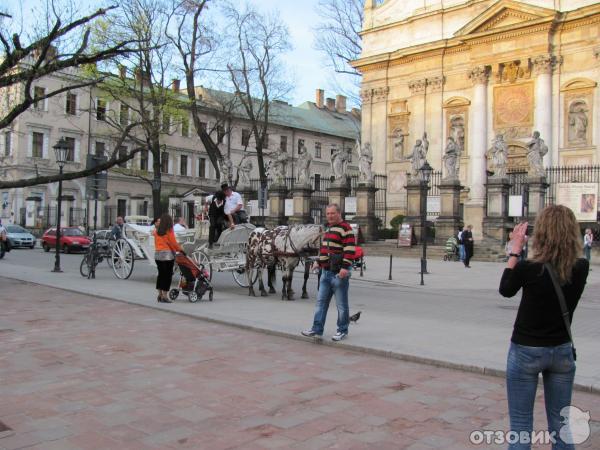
(80, 372)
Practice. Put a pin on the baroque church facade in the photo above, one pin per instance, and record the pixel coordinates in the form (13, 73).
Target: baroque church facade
(470, 70)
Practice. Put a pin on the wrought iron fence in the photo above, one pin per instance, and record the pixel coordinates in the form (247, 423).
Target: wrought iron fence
(77, 217)
(569, 174)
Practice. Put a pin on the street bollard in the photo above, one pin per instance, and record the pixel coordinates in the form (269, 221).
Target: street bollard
(390, 276)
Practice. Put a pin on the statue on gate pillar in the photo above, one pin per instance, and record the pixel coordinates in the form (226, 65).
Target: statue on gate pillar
(451, 156)
(536, 149)
(419, 155)
(304, 163)
(499, 156)
(365, 160)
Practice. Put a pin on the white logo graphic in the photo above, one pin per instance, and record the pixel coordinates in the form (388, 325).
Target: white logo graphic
(576, 427)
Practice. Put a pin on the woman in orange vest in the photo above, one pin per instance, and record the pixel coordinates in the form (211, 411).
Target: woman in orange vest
(165, 246)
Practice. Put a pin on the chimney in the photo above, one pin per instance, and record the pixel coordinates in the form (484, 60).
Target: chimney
(320, 98)
(122, 72)
(340, 103)
(330, 102)
(175, 85)
(138, 75)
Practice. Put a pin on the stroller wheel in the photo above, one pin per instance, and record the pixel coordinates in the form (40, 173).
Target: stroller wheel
(445, 257)
(173, 294)
(210, 295)
(193, 297)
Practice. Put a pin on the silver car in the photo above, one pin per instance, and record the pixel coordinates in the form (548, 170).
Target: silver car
(19, 237)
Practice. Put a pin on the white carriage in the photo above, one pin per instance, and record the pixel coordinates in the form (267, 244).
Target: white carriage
(227, 255)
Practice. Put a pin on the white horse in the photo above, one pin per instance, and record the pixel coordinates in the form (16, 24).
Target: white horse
(281, 247)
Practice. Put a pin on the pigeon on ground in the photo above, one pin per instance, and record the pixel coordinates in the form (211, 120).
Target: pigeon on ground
(354, 317)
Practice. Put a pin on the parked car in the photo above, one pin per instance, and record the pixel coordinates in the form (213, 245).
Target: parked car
(71, 239)
(19, 237)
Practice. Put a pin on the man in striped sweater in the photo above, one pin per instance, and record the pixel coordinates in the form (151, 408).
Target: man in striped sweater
(335, 262)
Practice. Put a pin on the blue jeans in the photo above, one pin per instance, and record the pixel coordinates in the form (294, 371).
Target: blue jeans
(524, 364)
(331, 285)
(461, 252)
(587, 251)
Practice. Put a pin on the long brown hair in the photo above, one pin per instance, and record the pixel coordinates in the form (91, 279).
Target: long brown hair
(166, 223)
(557, 240)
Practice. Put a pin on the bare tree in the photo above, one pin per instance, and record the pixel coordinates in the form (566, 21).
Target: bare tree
(338, 37)
(143, 87)
(255, 70)
(64, 46)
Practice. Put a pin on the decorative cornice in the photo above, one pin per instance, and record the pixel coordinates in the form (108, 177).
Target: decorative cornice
(543, 64)
(381, 93)
(479, 75)
(366, 95)
(417, 86)
(436, 83)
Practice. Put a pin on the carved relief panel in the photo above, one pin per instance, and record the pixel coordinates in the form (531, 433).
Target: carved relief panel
(517, 157)
(398, 122)
(456, 116)
(578, 101)
(513, 109)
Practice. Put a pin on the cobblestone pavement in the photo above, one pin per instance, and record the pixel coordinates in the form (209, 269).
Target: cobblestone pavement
(80, 372)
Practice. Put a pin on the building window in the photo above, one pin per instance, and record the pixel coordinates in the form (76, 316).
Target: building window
(144, 160)
(71, 105)
(245, 136)
(202, 167)
(185, 127)
(7, 139)
(317, 182)
(38, 98)
(70, 143)
(318, 150)
(122, 153)
(164, 162)
(37, 147)
(166, 123)
(349, 152)
(283, 143)
(121, 207)
(124, 115)
(100, 109)
(183, 165)
(220, 134)
(100, 149)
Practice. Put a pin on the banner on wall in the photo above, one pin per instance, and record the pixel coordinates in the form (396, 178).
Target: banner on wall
(581, 198)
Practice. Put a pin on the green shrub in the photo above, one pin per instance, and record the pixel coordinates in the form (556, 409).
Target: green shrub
(396, 222)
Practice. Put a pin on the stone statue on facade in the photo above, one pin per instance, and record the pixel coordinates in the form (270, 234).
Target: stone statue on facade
(498, 155)
(419, 155)
(226, 170)
(399, 145)
(244, 170)
(279, 167)
(304, 163)
(339, 161)
(451, 155)
(365, 160)
(536, 150)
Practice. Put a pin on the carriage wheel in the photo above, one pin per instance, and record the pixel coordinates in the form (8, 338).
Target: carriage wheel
(201, 259)
(239, 275)
(122, 259)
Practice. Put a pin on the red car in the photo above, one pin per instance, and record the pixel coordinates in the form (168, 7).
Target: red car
(71, 239)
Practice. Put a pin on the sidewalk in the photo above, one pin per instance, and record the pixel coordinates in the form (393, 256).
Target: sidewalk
(457, 319)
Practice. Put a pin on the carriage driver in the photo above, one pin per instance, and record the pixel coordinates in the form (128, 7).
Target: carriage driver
(234, 206)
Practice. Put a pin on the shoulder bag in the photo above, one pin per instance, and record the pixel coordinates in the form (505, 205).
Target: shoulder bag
(563, 306)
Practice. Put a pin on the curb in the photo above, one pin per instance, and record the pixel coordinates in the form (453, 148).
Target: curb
(487, 371)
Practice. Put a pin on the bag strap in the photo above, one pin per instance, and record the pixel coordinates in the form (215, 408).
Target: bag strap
(563, 304)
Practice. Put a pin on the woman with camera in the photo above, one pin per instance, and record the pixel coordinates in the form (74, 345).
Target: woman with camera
(541, 339)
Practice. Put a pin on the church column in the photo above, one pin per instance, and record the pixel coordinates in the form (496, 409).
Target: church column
(478, 133)
(418, 124)
(542, 69)
(478, 143)
(379, 128)
(596, 127)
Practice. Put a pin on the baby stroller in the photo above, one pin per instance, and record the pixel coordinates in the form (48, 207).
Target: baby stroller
(451, 249)
(193, 280)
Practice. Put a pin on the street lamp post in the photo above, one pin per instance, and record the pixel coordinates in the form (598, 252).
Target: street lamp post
(424, 174)
(61, 148)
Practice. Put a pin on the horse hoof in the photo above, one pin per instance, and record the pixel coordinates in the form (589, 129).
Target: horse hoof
(252, 294)
(272, 291)
(264, 294)
(304, 296)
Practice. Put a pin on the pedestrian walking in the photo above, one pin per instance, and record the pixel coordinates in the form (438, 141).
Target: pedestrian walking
(335, 262)
(165, 247)
(467, 239)
(588, 238)
(541, 339)
(461, 247)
